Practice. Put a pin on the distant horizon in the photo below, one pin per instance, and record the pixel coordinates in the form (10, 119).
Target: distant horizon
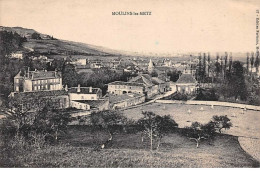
(172, 54)
(178, 26)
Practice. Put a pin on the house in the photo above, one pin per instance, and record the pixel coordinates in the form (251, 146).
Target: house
(17, 55)
(84, 93)
(79, 95)
(120, 88)
(79, 61)
(37, 81)
(126, 100)
(186, 84)
(153, 85)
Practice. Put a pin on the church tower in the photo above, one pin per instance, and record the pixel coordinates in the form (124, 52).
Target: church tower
(150, 66)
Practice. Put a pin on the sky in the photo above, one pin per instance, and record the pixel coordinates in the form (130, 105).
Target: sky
(173, 26)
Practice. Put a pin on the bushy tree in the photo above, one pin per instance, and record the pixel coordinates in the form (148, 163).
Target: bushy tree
(110, 121)
(209, 95)
(198, 131)
(32, 123)
(155, 126)
(174, 75)
(69, 75)
(221, 122)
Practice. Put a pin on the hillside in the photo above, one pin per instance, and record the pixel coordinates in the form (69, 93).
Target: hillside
(57, 47)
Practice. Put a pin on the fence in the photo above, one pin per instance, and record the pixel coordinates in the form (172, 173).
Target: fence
(209, 103)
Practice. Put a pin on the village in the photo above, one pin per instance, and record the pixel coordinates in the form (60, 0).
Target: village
(151, 84)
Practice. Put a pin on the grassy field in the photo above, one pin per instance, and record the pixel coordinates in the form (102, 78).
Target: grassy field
(246, 124)
(127, 150)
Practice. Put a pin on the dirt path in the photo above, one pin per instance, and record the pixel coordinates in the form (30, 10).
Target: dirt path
(251, 146)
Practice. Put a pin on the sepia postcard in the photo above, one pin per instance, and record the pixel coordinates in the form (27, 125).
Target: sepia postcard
(129, 84)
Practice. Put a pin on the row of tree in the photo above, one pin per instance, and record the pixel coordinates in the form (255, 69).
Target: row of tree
(155, 127)
(45, 125)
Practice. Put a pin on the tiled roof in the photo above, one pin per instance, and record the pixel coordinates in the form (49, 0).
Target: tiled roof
(144, 78)
(43, 74)
(84, 90)
(126, 83)
(157, 81)
(147, 80)
(186, 78)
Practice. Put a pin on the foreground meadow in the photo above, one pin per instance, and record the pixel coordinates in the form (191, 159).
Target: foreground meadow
(77, 149)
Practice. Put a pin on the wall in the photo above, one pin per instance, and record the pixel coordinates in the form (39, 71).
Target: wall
(79, 105)
(119, 89)
(215, 103)
(76, 96)
(129, 102)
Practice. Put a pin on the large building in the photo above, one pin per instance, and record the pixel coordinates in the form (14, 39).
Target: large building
(47, 86)
(120, 87)
(142, 84)
(186, 84)
(37, 81)
(81, 97)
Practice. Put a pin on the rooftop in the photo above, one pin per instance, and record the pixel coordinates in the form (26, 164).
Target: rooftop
(126, 83)
(147, 80)
(186, 78)
(34, 75)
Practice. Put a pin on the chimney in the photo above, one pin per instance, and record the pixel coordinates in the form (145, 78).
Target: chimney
(66, 87)
(78, 89)
(90, 89)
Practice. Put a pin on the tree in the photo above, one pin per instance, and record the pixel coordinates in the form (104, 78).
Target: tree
(209, 94)
(236, 81)
(52, 122)
(208, 64)
(225, 64)
(155, 126)
(221, 122)
(110, 121)
(198, 131)
(174, 75)
(36, 36)
(257, 61)
(247, 63)
(230, 63)
(69, 75)
(32, 123)
(252, 61)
